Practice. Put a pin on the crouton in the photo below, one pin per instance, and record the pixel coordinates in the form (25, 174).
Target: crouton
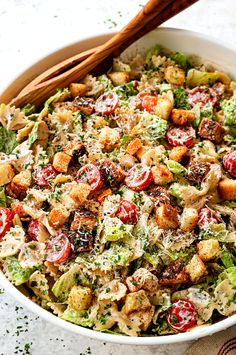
(84, 220)
(134, 146)
(182, 117)
(211, 130)
(227, 189)
(61, 162)
(163, 108)
(208, 249)
(136, 301)
(167, 217)
(74, 147)
(174, 75)
(179, 153)
(20, 183)
(119, 77)
(109, 138)
(142, 151)
(80, 192)
(188, 219)
(162, 175)
(6, 174)
(196, 268)
(80, 298)
(142, 278)
(77, 89)
(58, 216)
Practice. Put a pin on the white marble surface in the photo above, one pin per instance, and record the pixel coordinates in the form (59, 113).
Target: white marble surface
(30, 29)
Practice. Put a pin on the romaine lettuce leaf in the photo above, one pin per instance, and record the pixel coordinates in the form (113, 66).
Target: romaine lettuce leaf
(7, 141)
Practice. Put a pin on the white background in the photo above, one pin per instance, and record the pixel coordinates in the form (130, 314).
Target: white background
(30, 29)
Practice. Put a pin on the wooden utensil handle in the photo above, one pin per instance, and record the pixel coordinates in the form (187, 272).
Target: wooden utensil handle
(45, 89)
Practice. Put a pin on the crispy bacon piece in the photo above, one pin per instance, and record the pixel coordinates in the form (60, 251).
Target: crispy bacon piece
(173, 275)
(111, 172)
(83, 220)
(211, 130)
(84, 104)
(197, 171)
(160, 195)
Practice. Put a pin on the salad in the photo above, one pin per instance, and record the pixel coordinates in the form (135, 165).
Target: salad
(118, 197)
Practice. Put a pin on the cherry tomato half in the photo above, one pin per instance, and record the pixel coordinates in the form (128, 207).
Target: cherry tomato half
(33, 229)
(139, 177)
(17, 208)
(58, 249)
(6, 217)
(181, 136)
(229, 162)
(206, 218)
(202, 95)
(107, 103)
(43, 176)
(182, 315)
(128, 212)
(149, 103)
(91, 175)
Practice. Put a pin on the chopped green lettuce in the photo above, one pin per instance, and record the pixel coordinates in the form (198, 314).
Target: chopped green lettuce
(60, 95)
(126, 90)
(83, 318)
(218, 232)
(180, 99)
(230, 274)
(33, 136)
(176, 168)
(3, 199)
(154, 126)
(117, 232)
(154, 51)
(229, 110)
(196, 78)
(181, 59)
(28, 109)
(7, 141)
(226, 257)
(106, 82)
(63, 285)
(15, 272)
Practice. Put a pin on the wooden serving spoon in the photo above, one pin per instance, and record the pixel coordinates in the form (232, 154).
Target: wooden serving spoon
(154, 13)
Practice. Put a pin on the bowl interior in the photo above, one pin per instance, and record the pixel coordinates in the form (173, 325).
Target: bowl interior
(210, 51)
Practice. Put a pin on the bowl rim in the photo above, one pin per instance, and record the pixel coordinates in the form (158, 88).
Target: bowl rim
(195, 334)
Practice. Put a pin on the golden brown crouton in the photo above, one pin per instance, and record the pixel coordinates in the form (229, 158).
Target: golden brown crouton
(142, 151)
(80, 298)
(20, 183)
(227, 189)
(162, 175)
(6, 174)
(109, 138)
(119, 77)
(136, 301)
(145, 317)
(179, 153)
(164, 107)
(208, 249)
(77, 89)
(80, 192)
(167, 217)
(61, 162)
(181, 117)
(188, 219)
(58, 216)
(174, 75)
(196, 268)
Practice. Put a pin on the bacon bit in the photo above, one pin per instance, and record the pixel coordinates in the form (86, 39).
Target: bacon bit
(134, 146)
(103, 195)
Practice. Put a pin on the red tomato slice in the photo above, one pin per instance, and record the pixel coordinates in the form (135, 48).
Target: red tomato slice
(6, 217)
(107, 103)
(139, 177)
(33, 229)
(91, 175)
(181, 136)
(206, 218)
(128, 212)
(182, 315)
(149, 103)
(229, 162)
(58, 249)
(43, 176)
(17, 208)
(202, 95)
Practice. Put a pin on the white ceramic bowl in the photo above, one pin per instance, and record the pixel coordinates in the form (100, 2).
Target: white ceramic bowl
(210, 51)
